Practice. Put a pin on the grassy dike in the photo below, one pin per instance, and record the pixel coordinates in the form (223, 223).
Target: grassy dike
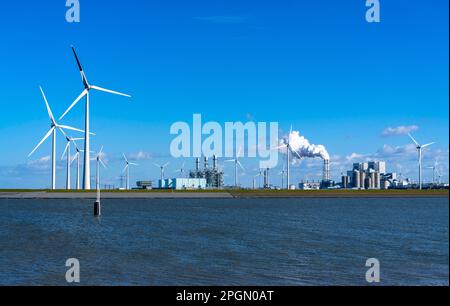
(246, 193)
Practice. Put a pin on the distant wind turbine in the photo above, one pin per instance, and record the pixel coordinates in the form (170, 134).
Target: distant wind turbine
(162, 169)
(68, 157)
(85, 93)
(127, 170)
(181, 171)
(419, 148)
(434, 168)
(52, 132)
(99, 162)
(289, 149)
(237, 164)
(76, 158)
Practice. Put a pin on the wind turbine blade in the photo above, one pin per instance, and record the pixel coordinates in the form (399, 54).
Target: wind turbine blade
(101, 162)
(83, 93)
(74, 158)
(125, 157)
(295, 153)
(65, 150)
(66, 127)
(78, 61)
(428, 144)
(156, 165)
(230, 160)
(49, 111)
(240, 165)
(125, 169)
(109, 91)
(101, 151)
(133, 164)
(280, 147)
(239, 152)
(166, 165)
(42, 141)
(412, 138)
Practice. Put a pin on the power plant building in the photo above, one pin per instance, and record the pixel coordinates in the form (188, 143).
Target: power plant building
(366, 176)
(212, 175)
(182, 184)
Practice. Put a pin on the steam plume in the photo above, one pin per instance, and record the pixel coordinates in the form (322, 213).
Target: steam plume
(303, 147)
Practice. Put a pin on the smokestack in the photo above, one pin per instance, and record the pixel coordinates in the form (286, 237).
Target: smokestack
(326, 169)
(197, 164)
(266, 178)
(206, 162)
(215, 162)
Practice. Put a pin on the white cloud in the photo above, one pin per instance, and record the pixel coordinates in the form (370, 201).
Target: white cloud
(141, 155)
(399, 130)
(354, 156)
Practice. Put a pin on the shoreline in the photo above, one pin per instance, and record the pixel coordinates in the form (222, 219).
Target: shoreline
(225, 194)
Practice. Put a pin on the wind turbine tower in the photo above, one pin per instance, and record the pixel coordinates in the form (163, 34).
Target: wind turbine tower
(86, 93)
(419, 148)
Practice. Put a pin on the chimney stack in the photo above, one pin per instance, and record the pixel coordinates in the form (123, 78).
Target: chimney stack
(326, 170)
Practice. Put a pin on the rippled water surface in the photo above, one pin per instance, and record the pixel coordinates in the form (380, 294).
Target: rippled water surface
(225, 241)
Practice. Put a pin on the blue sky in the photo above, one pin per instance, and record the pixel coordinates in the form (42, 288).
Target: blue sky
(315, 64)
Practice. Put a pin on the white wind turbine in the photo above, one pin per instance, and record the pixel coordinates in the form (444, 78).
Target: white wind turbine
(419, 148)
(181, 170)
(76, 157)
(68, 157)
(435, 171)
(52, 132)
(259, 175)
(282, 177)
(85, 93)
(127, 170)
(237, 164)
(99, 161)
(162, 169)
(289, 149)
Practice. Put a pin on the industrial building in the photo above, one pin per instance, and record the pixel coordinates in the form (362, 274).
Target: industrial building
(368, 175)
(183, 184)
(144, 185)
(213, 175)
(310, 185)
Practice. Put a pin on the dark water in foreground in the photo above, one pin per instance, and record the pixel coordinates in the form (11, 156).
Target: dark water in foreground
(225, 242)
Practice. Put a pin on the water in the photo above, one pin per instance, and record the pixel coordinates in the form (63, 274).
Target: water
(225, 241)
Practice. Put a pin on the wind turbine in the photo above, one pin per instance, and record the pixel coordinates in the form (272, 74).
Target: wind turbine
(99, 162)
(77, 158)
(259, 175)
(52, 132)
(289, 149)
(69, 162)
(237, 164)
(85, 93)
(181, 170)
(282, 176)
(162, 168)
(419, 148)
(127, 170)
(434, 168)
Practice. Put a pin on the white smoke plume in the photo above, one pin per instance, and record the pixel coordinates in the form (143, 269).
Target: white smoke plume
(303, 147)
